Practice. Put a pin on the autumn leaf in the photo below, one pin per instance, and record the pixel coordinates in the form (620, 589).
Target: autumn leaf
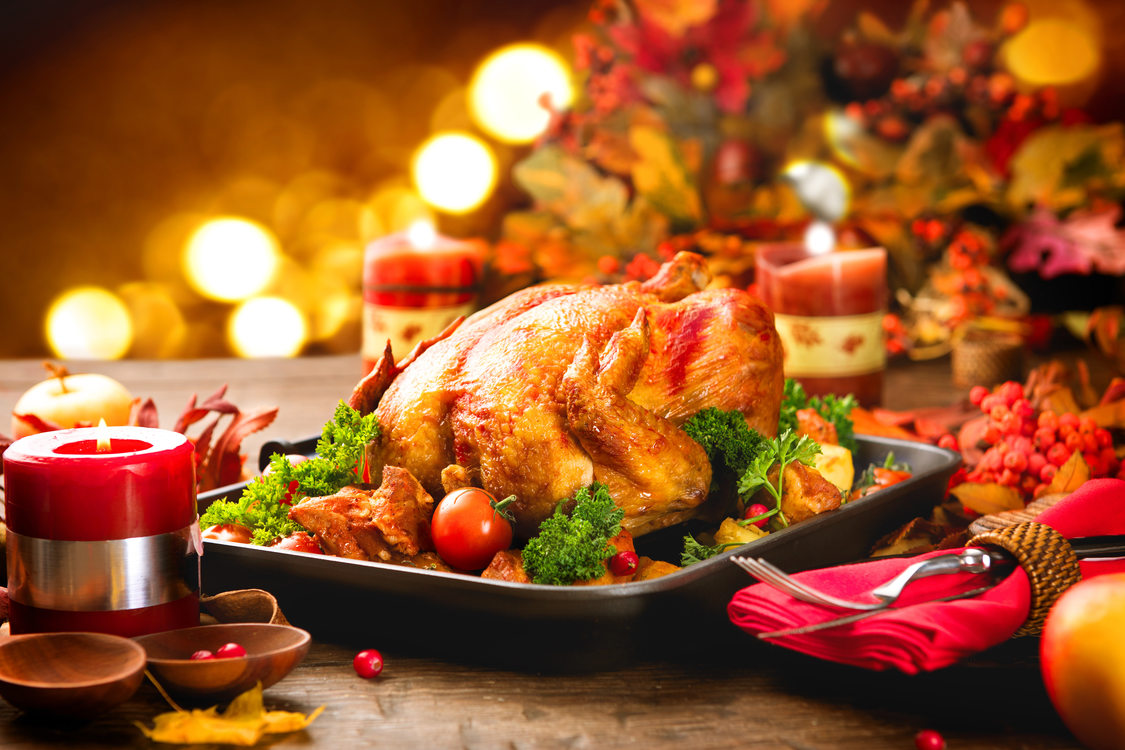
(244, 722)
(570, 188)
(1070, 476)
(662, 176)
(677, 16)
(987, 497)
(1045, 169)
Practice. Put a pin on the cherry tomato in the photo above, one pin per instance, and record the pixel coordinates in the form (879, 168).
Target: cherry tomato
(300, 541)
(368, 664)
(202, 655)
(469, 527)
(887, 477)
(228, 532)
(230, 651)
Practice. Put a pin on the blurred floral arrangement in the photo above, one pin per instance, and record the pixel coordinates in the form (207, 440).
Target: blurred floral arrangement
(694, 111)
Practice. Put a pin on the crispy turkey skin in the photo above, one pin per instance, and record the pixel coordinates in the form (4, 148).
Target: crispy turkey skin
(558, 386)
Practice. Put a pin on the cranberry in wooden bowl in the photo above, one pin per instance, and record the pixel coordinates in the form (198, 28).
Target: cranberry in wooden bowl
(272, 651)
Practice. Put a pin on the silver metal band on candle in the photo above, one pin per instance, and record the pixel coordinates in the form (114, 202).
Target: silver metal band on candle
(116, 574)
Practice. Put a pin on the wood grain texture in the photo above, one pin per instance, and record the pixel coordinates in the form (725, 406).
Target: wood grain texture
(756, 696)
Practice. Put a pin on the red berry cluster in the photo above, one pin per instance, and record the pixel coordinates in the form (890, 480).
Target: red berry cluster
(1026, 446)
(970, 292)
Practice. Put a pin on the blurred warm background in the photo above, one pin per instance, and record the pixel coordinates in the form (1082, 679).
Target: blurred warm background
(200, 179)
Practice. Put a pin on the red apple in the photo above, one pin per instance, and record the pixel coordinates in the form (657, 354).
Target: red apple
(1082, 657)
(71, 400)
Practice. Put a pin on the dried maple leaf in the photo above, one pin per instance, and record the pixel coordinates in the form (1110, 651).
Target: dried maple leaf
(244, 722)
(143, 413)
(223, 464)
(1070, 476)
(214, 402)
(987, 497)
(217, 463)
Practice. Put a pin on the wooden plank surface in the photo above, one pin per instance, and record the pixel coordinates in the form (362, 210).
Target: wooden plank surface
(750, 696)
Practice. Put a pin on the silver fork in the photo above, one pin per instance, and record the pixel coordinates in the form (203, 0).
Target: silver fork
(885, 594)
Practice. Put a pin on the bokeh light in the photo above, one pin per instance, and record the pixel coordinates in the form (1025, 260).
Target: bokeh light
(454, 172)
(267, 327)
(230, 259)
(505, 91)
(89, 323)
(159, 327)
(821, 188)
(1053, 52)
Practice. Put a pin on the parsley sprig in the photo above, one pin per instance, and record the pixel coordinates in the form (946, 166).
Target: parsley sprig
(782, 451)
(264, 504)
(836, 410)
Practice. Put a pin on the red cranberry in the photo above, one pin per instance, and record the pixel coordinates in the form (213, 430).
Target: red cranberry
(368, 663)
(929, 739)
(757, 509)
(623, 563)
(230, 651)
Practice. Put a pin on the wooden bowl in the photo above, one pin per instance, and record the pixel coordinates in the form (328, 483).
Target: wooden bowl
(271, 653)
(77, 675)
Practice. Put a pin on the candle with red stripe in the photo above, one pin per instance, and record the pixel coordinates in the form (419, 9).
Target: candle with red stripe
(103, 531)
(415, 283)
(828, 309)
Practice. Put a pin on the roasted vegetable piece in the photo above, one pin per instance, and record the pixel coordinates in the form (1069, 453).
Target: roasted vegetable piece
(836, 410)
(264, 504)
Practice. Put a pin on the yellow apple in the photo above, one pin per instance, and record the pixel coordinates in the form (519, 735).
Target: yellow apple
(69, 400)
(1082, 658)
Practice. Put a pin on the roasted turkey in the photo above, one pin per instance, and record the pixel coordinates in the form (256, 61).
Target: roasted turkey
(561, 385)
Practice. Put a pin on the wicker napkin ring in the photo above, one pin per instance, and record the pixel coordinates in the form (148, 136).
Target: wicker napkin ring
(1046, 557)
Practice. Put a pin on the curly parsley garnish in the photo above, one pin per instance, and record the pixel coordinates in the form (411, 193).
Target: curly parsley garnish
(574, 547)
(265, 502)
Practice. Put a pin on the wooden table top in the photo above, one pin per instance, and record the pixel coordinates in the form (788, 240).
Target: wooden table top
(745, 694)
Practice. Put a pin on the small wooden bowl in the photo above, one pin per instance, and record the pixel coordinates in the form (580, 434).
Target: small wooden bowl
(271, 653)
(78, 675)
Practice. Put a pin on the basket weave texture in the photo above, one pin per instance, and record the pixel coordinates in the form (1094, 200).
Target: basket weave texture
(1047, 558)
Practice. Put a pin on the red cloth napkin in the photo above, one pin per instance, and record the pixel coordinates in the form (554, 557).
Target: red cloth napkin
(920, 634)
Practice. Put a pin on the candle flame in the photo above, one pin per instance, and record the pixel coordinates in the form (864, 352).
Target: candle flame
(104, 444)
(422, 234)
(820, 239)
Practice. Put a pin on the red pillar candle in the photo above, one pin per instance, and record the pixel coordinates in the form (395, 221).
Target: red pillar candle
(102, 540)
(415, 283)
(828, 310)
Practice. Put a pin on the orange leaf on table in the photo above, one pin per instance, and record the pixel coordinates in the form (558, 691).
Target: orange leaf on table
(866, 423)
(987, 497)
(1107, 415)
(1070, 476)
(244, 722)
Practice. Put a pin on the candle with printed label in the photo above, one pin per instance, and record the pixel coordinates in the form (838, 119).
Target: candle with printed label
(103, 531)
(415, 284)
(828, 310)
